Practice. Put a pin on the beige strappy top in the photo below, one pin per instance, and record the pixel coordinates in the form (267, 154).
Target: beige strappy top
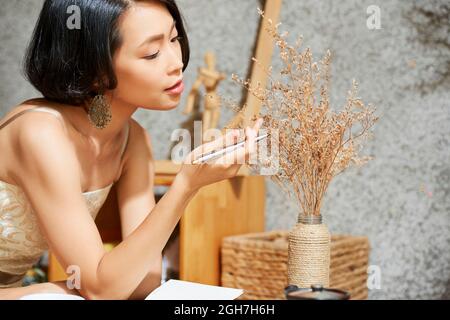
(21, 241)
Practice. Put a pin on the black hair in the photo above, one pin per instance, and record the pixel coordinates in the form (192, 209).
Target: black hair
(64, 63)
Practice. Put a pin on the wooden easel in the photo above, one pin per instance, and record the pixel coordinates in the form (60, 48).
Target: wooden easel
(231, 207)
(263, 53)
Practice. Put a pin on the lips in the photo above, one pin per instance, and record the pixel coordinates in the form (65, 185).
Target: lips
(175, 85)
(176, 89)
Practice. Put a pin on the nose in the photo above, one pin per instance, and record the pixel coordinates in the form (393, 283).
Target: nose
(175, 60)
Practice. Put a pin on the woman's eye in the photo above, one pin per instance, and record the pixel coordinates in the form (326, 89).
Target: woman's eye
(155, 55)
(152, 56)
(177, 38)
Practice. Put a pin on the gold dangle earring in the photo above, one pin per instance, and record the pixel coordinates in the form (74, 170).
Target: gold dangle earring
(99, 112)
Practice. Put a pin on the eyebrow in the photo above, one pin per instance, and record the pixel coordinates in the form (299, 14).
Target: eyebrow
(157, 37)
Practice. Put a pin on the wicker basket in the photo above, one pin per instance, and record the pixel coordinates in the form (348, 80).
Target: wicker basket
(257, 263)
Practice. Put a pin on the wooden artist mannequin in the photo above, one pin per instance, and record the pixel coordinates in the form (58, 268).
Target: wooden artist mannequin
(210, 78)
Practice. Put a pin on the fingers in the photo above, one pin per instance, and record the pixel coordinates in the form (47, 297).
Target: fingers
(252, 140)
(232, 137)
(243, 155)
(239, 156)
(250, 137)
(229, 138)
(251, 134)
(258, 124)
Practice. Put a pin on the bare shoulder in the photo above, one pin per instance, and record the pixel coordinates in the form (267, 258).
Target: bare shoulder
(17, 116)
(38, 129)
(41, 142)
(19, 129)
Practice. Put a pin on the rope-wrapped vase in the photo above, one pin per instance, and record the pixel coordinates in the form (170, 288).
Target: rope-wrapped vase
(309, 253)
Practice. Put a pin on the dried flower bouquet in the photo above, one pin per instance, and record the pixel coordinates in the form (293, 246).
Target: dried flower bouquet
(316, 143)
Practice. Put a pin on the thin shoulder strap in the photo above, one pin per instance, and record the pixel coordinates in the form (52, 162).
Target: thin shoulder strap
(39, 109)
(124, 146)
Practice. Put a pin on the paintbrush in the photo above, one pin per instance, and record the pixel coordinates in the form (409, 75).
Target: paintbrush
(218, 153)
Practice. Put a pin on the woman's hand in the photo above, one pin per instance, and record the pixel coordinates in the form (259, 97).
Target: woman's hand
(220, 168)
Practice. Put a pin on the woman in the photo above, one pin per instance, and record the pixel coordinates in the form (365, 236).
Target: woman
(59, 164)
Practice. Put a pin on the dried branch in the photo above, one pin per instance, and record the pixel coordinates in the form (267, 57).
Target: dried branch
(316, 143)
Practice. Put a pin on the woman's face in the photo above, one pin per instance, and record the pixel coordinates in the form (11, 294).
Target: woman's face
(146, 66)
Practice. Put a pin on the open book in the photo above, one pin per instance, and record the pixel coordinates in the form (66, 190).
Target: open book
(169, 290)
(185, 290)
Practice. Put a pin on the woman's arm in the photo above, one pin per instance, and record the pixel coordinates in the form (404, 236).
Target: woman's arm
(50, 178)
(136, 198)
(165, 215)
(136, 255)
